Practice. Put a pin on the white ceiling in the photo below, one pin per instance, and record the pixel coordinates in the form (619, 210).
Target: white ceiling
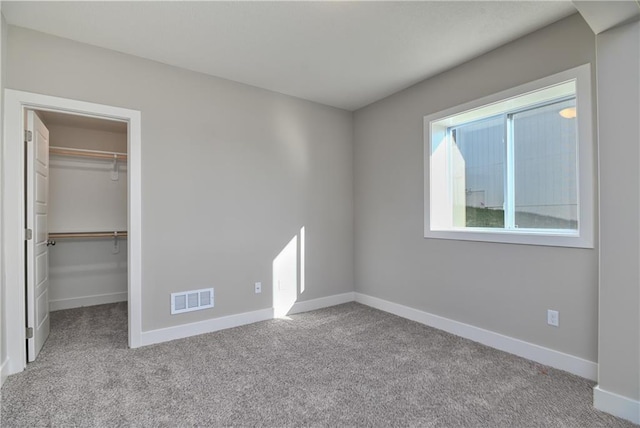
(343, 54)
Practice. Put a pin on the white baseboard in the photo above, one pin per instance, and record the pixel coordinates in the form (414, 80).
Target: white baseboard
(550, 357)
(216, 324)
(4, 371)
(322, 302)
(201, 327)
(78, 302)
(617, 405)
(540, 354)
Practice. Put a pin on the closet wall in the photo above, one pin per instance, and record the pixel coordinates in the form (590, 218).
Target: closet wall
(85, 197)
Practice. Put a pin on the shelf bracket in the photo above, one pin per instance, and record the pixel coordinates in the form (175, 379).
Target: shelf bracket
(116, 243)
(114, 170)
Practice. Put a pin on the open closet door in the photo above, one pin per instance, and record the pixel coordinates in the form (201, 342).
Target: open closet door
(37, 247)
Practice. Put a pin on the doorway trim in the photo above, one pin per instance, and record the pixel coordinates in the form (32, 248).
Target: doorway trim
(13, 223)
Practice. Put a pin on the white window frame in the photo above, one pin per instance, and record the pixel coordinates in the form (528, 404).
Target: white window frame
(584, 236)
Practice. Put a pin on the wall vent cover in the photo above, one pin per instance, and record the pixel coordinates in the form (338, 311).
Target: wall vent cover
(194, 300)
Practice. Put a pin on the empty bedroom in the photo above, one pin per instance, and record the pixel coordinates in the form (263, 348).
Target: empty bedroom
(239, 213)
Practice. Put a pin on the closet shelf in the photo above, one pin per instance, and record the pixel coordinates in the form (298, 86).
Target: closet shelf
(96, 154)
(75, 235)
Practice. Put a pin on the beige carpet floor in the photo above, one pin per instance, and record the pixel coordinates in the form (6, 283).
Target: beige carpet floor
(348, 365)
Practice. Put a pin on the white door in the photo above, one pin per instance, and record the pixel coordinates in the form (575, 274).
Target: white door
(37, 248)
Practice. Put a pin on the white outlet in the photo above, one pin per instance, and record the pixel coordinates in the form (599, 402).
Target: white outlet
(258, 287)
(553, 318)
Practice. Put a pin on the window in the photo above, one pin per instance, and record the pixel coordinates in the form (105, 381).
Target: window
(516, 167)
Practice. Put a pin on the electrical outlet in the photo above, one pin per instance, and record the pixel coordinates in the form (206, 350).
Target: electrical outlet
(553, 318)
(258, 287)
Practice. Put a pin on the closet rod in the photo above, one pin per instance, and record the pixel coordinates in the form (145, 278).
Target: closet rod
(72, 235)
(97, 154)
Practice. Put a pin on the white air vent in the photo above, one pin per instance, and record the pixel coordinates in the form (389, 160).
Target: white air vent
(194, 300)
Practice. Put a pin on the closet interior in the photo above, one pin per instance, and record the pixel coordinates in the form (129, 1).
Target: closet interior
(87, 216)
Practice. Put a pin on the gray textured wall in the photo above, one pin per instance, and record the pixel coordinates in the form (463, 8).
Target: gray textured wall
(619, 135)
(3, 64)
(500, 287)
(230, 173)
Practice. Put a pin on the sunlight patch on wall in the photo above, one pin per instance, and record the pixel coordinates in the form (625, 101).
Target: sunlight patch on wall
(285, 278)
(288, 274)
(302, 251)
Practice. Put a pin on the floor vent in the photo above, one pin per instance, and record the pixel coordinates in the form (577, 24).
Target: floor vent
(194, 300)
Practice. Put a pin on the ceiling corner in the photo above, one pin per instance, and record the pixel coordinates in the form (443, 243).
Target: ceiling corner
(604, 15)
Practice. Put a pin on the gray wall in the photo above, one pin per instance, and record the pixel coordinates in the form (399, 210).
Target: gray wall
(3, 63)
(619, 138)
(500, 287)
(230, 173)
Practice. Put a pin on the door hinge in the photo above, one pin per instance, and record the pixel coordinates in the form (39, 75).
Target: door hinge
(28, 136)
(28, 234)
(29, 332)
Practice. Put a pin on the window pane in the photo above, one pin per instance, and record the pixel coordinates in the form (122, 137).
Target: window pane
(546, 194)
(481, 150)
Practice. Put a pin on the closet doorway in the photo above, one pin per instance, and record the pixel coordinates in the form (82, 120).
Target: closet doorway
(77, 209)
(20, 301)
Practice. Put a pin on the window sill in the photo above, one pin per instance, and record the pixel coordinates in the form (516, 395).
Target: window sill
(522, 237)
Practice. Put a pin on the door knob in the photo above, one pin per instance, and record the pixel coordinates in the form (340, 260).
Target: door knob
(50, 242)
